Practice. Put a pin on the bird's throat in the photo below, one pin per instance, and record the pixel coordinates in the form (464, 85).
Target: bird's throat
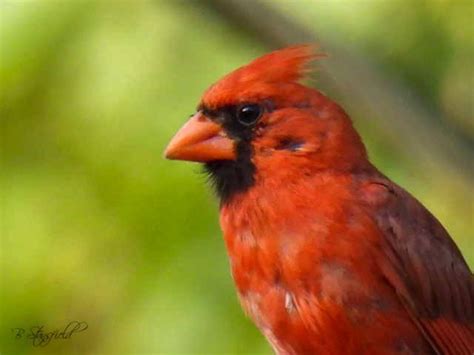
(231, 177)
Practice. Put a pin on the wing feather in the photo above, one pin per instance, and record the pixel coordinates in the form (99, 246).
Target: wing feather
(421, 261)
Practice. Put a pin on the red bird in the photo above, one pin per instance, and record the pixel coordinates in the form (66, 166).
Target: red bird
(328, 255)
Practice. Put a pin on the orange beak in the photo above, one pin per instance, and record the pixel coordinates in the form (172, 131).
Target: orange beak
(200, 140)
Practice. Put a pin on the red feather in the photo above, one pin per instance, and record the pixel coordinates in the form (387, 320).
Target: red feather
(328, 255)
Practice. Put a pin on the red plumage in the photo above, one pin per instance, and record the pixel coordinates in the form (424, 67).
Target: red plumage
(327, 254)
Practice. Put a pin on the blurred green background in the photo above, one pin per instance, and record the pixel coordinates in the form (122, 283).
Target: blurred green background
(96, 226)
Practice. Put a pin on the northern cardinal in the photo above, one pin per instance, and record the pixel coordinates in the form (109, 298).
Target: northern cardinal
(328, 255)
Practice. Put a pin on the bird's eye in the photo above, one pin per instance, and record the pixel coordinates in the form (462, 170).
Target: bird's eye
(249, 114)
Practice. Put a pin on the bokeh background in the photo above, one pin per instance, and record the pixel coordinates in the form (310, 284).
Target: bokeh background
(96, 226)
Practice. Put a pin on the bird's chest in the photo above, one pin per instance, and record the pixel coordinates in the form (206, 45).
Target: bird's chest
(305, 274)
(257, 272)
(294, 279)
(262, 261)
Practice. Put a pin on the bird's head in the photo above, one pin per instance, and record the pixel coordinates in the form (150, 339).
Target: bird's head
(259, 122)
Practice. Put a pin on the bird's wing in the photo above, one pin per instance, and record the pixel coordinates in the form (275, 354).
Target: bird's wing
(425, 267)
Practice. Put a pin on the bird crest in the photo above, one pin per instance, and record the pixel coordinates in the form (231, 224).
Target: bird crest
(261, 76)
